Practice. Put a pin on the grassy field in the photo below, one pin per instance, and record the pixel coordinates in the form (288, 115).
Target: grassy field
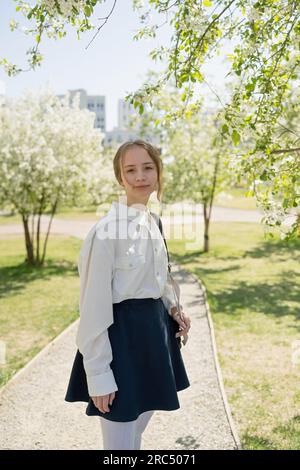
(74, 213)
(254, 295)
(235, 199)
(36, 305)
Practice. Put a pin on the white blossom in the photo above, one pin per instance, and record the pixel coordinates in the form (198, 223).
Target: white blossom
(65, 6)
(47, 148)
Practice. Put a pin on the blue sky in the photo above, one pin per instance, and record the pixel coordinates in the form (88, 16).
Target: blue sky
(113, 65)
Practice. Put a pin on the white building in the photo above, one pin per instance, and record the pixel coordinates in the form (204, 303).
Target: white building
(118, 136)
(123, 132)
(94, 103)
(126, 112)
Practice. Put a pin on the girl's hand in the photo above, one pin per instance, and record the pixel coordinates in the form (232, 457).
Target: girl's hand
(102, 401)
(183, 321)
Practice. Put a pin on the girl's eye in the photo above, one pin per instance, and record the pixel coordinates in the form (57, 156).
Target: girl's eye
(147, 168)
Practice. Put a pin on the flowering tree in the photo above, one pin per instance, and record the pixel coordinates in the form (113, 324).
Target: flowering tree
(273, 175)
(50, 17)
(264, 72)
(50, 154)
(198, 170)
(265, 60)
(193, 151)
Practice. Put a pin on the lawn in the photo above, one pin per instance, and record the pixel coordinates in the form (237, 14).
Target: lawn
(235, 198)
(36, 305)
(254, 295)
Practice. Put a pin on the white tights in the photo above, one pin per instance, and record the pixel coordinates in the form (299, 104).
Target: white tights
(124, 436)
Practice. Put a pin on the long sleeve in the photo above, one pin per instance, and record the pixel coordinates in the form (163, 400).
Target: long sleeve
(96, 312)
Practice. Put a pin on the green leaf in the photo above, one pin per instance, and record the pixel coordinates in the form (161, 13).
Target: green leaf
(141, 109)
(285, 202)
(87, 10)
(184, 77)
(250, 87)
(264, 176)
(225, 129)
(236, 138)
(198, 75)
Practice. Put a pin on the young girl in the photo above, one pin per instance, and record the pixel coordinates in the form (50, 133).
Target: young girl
(128, 362)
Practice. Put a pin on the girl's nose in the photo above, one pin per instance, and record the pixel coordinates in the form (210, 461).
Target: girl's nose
(140, 177)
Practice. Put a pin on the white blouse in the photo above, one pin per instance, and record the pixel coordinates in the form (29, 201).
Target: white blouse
(122, 257)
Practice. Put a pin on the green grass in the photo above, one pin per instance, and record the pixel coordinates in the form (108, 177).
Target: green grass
(10, 219)
(235, 198)
(36, 304)
(74, 213)
(254, 296)
(79, 213)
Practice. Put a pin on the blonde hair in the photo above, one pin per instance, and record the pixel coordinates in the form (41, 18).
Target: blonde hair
(154, 154)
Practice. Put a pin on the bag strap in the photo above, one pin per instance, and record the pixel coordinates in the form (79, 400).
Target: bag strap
(159, 223)
(173, 282)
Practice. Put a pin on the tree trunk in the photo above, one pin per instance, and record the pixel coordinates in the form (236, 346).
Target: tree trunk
(206, 228)
(28, 242)
(38, 230)
(35, 259)
(208, 204)
(54, 207)
(38, 238)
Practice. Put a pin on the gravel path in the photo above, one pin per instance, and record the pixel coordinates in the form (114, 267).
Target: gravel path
(34, 415)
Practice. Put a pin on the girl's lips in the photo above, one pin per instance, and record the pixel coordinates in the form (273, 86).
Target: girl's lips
(142, 187)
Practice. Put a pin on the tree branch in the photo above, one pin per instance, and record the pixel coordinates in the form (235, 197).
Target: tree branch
(101, 26)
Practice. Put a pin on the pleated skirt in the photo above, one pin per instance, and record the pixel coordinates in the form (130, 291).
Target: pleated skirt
(147, 362)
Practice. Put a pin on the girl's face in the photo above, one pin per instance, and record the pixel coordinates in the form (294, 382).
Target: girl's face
(139, 175)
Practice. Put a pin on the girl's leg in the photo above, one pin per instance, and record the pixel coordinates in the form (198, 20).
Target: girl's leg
(117, 435)
(124, 436)
(141, 424)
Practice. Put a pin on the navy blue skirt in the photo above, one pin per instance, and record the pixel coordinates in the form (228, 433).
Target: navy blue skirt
(147, 362)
